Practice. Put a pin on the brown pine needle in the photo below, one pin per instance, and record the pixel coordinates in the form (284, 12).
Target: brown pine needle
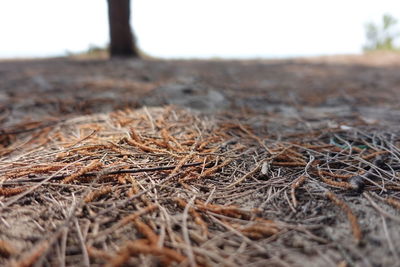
(95, 253)
(337, 175)
(169, 138)
(94, 195)
(296, 184)
(8, 192)
(260, 230)
(288, 164)
(33, 255)
(393, 202)
(355, 226)
(230, 211)
(146, 230)
(130, 218)
(212, 170)
(255, 137)
(253, 172)
(373, 155)
(92, 166)
(181, 163)
(172, 255)
(34, 170)
(147, 148)
(135, 136)
(140, 246)
(197, 217)
(344, 185)
(6, 249)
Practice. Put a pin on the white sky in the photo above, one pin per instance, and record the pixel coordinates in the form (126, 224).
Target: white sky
(194, 28)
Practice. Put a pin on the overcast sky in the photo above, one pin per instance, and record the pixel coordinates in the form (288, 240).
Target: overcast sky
(194, 28)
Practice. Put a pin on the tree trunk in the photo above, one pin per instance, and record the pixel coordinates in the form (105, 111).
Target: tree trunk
(122, 40)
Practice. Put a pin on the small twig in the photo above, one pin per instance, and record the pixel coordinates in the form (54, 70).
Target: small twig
(389, 239)
(85, 255)
(379, 209)
(63, 248)
(185, 231)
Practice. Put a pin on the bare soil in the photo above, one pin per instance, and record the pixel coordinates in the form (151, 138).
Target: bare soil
(200, 163)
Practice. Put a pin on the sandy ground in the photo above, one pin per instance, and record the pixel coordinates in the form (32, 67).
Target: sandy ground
(280, 101)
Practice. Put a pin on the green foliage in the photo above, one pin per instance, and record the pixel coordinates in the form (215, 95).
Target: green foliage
(382, 37)
(96, 50)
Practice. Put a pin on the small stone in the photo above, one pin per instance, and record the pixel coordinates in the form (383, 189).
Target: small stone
(357, 183)
(265, 168)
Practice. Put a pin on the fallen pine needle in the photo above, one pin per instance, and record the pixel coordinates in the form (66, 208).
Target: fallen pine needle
(355, 226)
(393, 202)
(197, 217)
(97, 194)
(140, 246)
(92, 166)
(247, 175)
(31, 258)
(8, 192)
(6, 249)
(331, 182)
(212, 170)
(296, 184)
(130, 218)
(146, 230)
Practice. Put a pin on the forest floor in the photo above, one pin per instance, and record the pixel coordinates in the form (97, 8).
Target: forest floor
(200, 163)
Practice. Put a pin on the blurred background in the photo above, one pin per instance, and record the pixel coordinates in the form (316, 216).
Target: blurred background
(202, 29)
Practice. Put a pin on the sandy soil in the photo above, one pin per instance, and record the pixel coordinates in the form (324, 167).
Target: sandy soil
(298, 102)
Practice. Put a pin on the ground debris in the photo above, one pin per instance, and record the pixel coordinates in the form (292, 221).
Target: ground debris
(259, 183)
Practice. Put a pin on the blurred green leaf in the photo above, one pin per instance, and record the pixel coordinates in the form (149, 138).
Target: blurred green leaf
(382, 37)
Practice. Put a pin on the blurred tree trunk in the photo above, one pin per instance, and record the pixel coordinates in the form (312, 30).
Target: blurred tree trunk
(122, 40)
